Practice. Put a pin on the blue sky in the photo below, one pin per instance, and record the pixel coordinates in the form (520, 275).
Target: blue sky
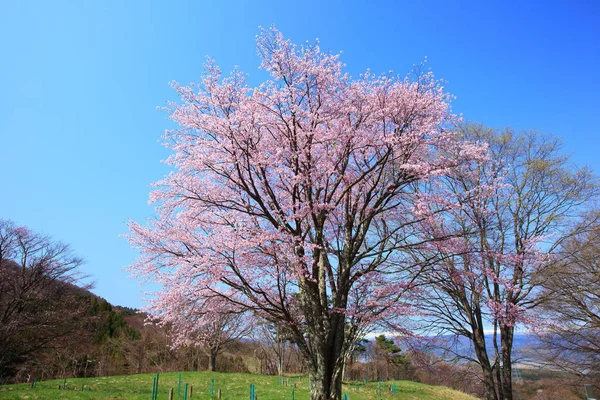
(80, 82)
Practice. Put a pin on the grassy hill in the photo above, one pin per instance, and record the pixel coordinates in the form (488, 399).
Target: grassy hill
(233, 386)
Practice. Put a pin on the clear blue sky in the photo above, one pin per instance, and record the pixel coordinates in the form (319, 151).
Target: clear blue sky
(80, 82)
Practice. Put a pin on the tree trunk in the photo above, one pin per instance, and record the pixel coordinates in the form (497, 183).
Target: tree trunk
(326, 364)
(325, 384)
(327, 339)
(489, 387)
(507, 343)
(280, 360)
(212, 361)
(489, 383)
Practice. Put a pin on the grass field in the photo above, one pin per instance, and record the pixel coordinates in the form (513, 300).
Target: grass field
(233, 387)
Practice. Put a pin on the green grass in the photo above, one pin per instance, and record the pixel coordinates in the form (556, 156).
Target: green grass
(233, 387)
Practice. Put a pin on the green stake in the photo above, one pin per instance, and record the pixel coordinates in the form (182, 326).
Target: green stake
(153, 388)
(156, 392)
(179, 387)
(212, 388)
(185, 390)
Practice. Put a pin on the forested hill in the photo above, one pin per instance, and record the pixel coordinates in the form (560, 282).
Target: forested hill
(50, 326)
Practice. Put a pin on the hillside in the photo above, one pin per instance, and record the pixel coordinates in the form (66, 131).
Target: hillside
(232, 385)
(51, 326)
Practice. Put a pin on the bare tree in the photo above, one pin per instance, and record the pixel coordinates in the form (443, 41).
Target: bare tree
(276, 346)
(211, 325)
(572, 301)
(225, 330)
(36, 293)
(513, 213)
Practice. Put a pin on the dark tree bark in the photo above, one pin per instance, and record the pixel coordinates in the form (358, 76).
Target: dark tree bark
(212, 360)
(507, 345)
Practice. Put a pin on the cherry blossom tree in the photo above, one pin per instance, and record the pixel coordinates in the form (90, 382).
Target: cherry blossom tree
(295, 199)
(499, 223)
(208, 323)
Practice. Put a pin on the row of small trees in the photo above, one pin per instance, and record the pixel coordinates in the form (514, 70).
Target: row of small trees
(83, 335)
(96, 340)
(334, 206)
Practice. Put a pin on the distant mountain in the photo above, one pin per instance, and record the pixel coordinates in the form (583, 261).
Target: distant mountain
(454, 347)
